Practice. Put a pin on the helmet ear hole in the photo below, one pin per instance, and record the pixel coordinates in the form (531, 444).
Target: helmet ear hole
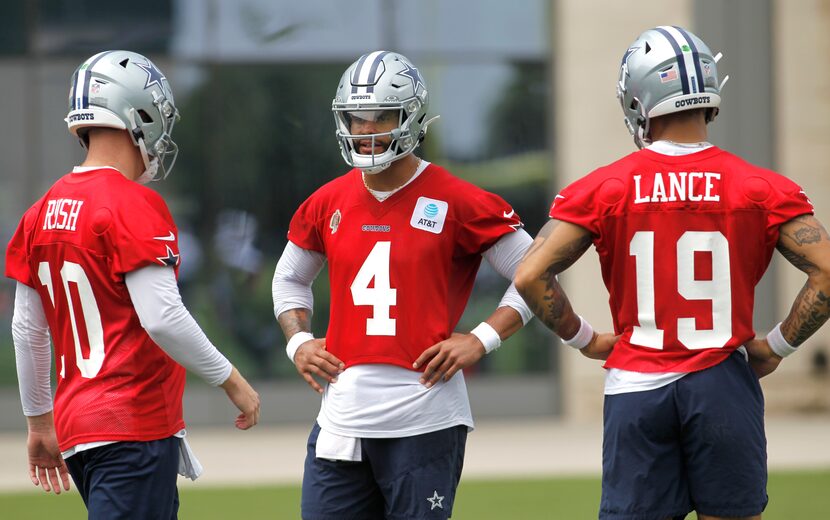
(145, 117)
(124, 62)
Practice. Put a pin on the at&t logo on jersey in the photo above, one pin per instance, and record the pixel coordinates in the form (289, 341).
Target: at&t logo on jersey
(429, 215)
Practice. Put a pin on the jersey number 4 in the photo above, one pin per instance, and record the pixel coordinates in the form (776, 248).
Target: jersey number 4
(718, 290)
(381, 296)
(72, 272)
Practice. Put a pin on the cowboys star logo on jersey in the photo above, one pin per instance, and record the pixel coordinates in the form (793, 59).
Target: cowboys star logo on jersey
(170, 259)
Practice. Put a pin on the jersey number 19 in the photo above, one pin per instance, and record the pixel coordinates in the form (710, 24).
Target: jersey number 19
(718, 289)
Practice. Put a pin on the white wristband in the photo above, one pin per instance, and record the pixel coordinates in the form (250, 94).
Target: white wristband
(488, 336)
(583, 336)
(294, 343)
(778, 344)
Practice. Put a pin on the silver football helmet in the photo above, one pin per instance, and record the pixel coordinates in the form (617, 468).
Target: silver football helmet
(378, 86)
(125, 90)
(667, 69)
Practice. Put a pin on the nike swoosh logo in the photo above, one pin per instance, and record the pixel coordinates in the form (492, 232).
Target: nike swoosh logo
(508, 215)
(169, 238)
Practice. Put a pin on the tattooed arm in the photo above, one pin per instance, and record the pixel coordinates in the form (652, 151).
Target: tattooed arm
(293, 301)
(804, 242)
(557, 246)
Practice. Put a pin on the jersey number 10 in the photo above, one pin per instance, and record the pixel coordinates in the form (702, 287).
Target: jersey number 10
(72, 272)
(718, 289)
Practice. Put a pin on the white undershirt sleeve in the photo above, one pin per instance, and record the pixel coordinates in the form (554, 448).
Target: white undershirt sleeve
(505, 256)
(156, 298)
(295, 272)
(32, 351)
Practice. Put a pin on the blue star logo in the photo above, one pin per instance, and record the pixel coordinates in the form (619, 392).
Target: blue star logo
(625, 57)
(171, 259)
(154, 76)
(628, 53)
(414, 76)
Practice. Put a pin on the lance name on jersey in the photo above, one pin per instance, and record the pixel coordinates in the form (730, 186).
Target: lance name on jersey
(679, 186)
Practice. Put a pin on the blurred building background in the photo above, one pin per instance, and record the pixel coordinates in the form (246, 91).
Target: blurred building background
(526, 94)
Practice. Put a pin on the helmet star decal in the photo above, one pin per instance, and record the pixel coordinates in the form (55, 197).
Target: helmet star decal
(624, 63)
(154, 76)
(413, 74)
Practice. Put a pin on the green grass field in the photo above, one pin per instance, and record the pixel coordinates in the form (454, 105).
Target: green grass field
(793, 496)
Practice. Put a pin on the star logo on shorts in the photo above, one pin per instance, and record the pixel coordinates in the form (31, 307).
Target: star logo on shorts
(435, 501)
(171, 259)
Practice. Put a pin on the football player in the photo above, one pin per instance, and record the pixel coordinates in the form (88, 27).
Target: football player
(403, 239)
(684, 231)
(96, 261)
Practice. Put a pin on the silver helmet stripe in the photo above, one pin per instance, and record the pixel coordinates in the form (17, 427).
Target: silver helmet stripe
(356, 72)
(81, 87)
(365, 73)
(373, 71)
(695, 58)
(685, 60)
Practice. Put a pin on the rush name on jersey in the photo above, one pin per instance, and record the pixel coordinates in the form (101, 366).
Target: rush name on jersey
(74, 247)
(682, 243)
(401, 270)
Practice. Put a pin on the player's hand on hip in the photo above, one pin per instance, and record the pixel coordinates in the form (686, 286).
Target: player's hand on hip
(600, 346)
(448, 357)
(244, 397)
(47, 468)
(312, 359)
(761, 357)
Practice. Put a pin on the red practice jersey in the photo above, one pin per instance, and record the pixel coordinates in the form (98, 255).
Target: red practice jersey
(400, 271)
(74, 247)
(682, 241)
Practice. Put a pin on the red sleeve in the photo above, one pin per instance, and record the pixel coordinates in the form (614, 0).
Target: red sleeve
(789, 201)
(577, 204)
(304, 229)
(17, 253)
(142, 232)
(483, 220)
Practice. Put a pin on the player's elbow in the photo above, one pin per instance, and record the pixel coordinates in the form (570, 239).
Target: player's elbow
(524, 279)
(819, 277)
(157, 332)
(163, 325)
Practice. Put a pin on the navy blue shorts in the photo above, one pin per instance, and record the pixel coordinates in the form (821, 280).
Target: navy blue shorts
(403, 478)
(129, 479)
(696, 444)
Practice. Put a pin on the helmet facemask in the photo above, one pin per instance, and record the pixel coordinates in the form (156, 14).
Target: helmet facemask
(160, 158)
(400, 141)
